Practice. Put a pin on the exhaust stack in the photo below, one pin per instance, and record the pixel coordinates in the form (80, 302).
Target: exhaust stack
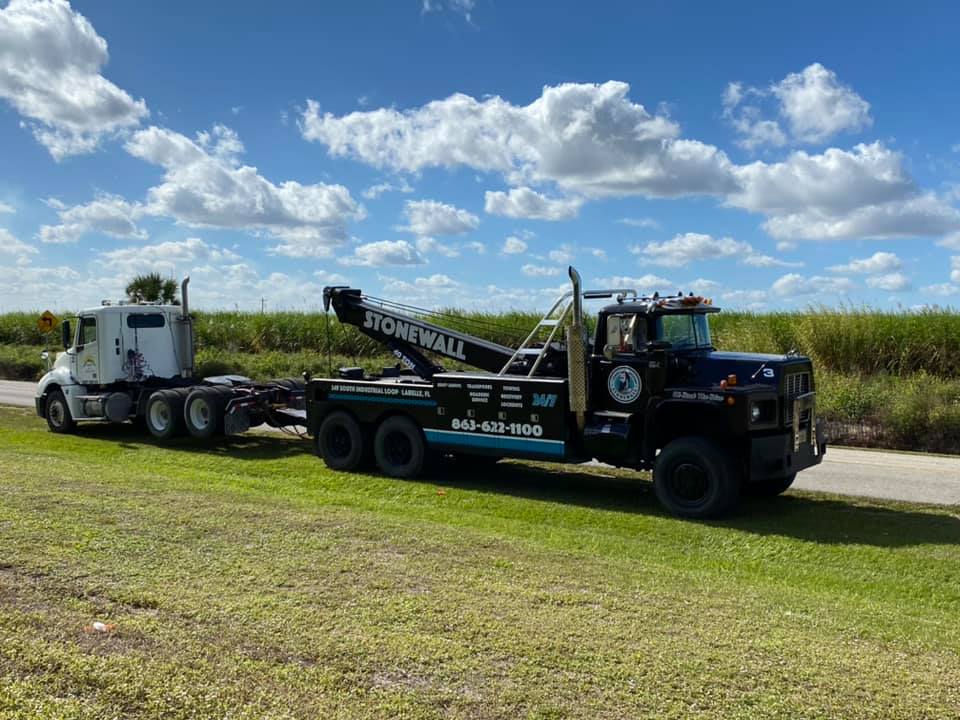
(577, 355)
(185, 334)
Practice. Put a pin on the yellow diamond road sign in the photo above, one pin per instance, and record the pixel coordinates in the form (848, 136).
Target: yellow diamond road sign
(47, 322)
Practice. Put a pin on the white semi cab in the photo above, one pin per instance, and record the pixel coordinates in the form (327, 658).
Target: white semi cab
(130, 361)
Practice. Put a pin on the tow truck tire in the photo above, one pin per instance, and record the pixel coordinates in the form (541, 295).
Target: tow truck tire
(769, 488)
(164, 413)
(399, 448)
(340, 441)
(203, 413)
(694, 478)
(57, 412)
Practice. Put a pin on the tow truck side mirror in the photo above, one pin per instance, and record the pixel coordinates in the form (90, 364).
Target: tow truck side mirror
(65, 334)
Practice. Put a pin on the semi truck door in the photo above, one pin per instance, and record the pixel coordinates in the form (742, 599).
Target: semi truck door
(88, 351)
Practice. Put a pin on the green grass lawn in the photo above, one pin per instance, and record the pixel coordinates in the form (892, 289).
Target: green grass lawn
(247, 581)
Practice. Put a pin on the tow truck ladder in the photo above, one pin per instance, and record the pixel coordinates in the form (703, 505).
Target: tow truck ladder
(553, 321)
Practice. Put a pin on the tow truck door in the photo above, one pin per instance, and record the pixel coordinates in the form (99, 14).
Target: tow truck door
(620, 371)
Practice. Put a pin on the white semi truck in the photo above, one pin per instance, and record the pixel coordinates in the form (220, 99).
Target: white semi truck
(135, 361)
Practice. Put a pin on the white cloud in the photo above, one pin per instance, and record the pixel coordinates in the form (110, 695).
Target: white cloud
(330, 278)
(813, 103)
(429, 218)
(108, 214)
(893, 282)
(941, 289)
(6, 209)
(168, 258)
(206, 186)
(879, 262)
(539, 270)
(598, 253)
(528, 204)
(793, 284)
(50, 63)
(817, 107)
(562, 255)
(955, 264)
(589, 139)
(463, 7)
(429, 245)
(702, 286)
(863, 193)
(749, 299)
(694, 247)
(11, 246)
(645, 284)
(375, 191)
(514, 246)
(384, 252)
(786, 246)
(478, 247)
(644, 222)
(951, 242)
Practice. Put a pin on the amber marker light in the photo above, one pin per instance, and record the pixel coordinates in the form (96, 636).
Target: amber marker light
(731, 400)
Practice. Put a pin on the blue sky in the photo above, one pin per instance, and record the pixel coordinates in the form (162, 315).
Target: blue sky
(458, 152)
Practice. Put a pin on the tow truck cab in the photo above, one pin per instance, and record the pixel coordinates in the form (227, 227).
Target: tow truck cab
(655, 376)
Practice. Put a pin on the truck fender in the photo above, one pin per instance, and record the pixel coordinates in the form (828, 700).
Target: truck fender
(60, 378)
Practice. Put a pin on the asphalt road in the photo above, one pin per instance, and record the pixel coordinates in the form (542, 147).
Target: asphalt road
(845, 471)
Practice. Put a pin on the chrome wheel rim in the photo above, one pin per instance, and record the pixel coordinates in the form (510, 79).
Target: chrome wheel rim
(201, 414)
(160, 416)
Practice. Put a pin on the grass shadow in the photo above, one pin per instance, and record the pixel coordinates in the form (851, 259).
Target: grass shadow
(811, 517)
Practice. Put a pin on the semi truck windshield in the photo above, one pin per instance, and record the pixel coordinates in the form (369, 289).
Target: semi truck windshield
(684, 331)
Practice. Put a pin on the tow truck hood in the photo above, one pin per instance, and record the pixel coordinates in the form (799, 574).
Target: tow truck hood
(750, 368)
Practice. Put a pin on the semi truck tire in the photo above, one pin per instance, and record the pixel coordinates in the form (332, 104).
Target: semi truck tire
(164, 413)
(340, 442)
(399, 448)
(694, 478)
(57, 412)
(203, 413)
(769, 488)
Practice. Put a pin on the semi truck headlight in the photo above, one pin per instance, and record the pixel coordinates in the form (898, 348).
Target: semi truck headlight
(763, 411)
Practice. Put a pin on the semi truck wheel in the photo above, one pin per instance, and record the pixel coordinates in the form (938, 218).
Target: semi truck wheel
(694, 478)
(164, 412)
(399, 448)
(769, 488)
(203, 413)
(340, 441)
(59, 419)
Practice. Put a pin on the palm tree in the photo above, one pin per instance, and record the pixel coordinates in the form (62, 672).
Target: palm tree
(153, 287)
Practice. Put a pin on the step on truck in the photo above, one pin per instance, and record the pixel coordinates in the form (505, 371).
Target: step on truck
(648, 392)
(133, 361)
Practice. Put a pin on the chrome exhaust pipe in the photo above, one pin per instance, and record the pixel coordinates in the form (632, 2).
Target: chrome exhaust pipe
(184, 303)
(577, 355)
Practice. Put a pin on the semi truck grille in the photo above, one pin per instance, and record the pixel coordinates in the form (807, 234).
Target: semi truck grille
(794, 385)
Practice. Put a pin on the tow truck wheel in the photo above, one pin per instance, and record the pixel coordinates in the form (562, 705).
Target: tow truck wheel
(399, 448)
(57, 412)
(694, 478)
(340, 441)
(163, 412)
(203, 413)
(769, 488)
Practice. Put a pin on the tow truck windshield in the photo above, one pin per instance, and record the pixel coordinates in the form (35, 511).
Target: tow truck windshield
(684, 331)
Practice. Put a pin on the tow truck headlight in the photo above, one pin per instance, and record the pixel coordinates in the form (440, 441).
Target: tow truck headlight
(763, 411)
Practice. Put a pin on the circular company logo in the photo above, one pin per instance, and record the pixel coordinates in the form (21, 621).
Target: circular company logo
(624, 384)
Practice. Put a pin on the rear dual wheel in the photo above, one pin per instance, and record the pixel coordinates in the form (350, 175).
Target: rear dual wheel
(341, 442)
(399, 448)
(205, 409)
(163, 413)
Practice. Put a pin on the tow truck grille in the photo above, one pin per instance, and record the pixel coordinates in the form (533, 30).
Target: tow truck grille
(794, 385)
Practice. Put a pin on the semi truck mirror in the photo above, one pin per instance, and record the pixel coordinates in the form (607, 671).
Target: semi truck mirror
(65, 334)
